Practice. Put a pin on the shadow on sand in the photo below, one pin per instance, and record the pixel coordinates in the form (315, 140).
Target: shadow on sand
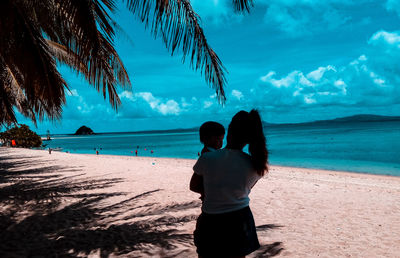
(268, 250)
(53, 211)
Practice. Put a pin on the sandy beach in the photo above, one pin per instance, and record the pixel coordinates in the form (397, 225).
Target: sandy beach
(71, 205)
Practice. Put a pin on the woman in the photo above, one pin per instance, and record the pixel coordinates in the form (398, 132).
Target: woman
(226, 226)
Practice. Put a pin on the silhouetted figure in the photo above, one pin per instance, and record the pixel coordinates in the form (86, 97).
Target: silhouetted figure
(226, 226)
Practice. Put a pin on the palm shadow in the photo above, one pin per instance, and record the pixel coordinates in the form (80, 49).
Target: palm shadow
(57, 211)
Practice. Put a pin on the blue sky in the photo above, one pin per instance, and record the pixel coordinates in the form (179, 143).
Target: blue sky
(294, 60)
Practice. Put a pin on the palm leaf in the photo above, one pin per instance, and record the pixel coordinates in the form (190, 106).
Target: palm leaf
(26, 56)
(81, 20)
(67, 57)
(242, 5)
(12, 95)
(178, 25)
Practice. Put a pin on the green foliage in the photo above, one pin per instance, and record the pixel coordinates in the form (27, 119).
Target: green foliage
(23, 137)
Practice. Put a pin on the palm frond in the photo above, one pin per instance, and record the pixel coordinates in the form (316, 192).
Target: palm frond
(25, 53)
(12, 95)
(7, 100)
(92, 46)
(179, 27)
(66, 56)
(242, 5)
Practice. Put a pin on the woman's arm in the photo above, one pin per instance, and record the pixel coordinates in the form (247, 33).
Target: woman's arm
(196, 184)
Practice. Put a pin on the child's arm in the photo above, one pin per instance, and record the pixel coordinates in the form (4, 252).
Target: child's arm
(196, 184)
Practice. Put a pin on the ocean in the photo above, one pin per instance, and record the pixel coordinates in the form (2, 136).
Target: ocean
(368, 147)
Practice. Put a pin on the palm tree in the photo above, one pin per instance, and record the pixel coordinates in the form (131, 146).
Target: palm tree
(37, 34)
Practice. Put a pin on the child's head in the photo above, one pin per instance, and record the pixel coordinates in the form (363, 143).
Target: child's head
(212, 134)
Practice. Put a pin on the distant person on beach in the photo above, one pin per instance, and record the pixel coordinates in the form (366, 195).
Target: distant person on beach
(136, 152)
(226, 226)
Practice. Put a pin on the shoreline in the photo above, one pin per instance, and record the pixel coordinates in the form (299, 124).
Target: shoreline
(282, 166)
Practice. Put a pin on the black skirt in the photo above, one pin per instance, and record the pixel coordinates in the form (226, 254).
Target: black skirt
(227, 234)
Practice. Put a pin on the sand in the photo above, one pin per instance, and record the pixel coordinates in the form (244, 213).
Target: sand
(70, 205)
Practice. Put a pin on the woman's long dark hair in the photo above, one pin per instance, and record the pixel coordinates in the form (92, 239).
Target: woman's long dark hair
(246, 128)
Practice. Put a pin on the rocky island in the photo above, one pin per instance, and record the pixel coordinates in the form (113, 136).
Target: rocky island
(84, 130)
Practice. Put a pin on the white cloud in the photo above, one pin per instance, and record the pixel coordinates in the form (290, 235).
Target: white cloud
(385, 38)
(72, 92)
(237, 94)
(366, 81)
(86, 105)
(171, 107)
(127, 94)
(134, 105)
(319, 73)
(143, 104)
(80, 108)
(207, 104)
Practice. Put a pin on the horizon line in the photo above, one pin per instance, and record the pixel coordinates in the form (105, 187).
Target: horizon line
(190, 129)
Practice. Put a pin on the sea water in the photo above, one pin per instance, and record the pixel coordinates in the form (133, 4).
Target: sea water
(369, 147)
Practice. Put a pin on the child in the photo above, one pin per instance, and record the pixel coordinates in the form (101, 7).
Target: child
(212, 136)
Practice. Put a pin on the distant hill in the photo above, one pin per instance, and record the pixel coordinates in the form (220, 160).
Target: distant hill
(367, 118)
(347, 119)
